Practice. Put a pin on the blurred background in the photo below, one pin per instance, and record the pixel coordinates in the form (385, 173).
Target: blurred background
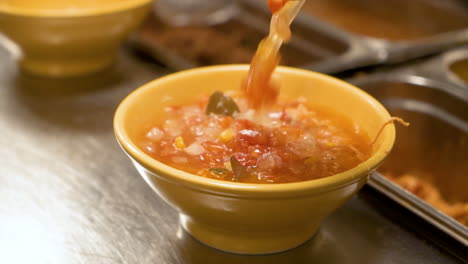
(68, 194)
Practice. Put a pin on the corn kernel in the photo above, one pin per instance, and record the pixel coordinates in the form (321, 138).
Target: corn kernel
(226, 135)
(330, 144)
(179, 142)
(228, 166)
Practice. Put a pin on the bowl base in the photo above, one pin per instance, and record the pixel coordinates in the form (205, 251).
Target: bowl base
(233, 241)
(66, 68)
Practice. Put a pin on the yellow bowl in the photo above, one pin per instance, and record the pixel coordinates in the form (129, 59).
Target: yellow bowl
(241, 217)
(66, 38)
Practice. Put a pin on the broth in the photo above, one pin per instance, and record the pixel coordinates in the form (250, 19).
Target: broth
(291, 142)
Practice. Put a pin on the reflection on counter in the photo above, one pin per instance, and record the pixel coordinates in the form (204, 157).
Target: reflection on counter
(397, 20)
(322, 248)
(25, 240)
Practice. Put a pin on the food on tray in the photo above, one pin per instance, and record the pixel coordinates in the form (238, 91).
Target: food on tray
(207, 45)
(427, 191)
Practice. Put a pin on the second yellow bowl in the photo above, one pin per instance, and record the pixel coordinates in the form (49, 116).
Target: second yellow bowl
(66, 38)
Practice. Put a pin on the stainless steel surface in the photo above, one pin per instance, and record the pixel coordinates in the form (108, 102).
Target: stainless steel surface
(324, 47)
(434, 146)
(68, 194)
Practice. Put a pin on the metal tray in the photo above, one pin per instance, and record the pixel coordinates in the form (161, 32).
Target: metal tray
(435, 146)
(235, 41)
(317, 44)
(457, 63)
(395, 31)
(450, 67)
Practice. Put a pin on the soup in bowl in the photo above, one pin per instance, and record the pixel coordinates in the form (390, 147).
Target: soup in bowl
(248, 216)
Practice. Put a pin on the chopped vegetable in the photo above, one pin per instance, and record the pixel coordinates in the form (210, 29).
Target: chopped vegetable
(228, 166)
(155, 134)
(226, 135)
(218, 171)
(269, 161)
(237, 168)
(303, 147)
(179, 142)
(172, 127)
(221, 104)
(194, 149)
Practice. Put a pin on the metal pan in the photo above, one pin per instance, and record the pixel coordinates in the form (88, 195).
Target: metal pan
(321, 41)
(450, 67)
(435, 147)
(236, 41)
(231, 42)
(457, 66)
(398, 30)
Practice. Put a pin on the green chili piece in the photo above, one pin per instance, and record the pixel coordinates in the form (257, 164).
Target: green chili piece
(218, 171)
(221, 104)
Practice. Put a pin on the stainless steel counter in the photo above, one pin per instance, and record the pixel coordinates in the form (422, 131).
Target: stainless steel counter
(69, 195)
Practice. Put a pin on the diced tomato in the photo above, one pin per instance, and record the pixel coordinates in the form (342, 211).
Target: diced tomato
(276, 5)
(244, 124)
(256, 151)
(284, 116)
(224, 121)
(242, 157)
(212, 146)
(253, 137)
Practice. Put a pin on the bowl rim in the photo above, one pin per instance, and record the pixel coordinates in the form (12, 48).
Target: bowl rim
(78, 12)
(248, 189)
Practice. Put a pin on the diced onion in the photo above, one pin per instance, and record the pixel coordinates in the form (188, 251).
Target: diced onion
(155, 134)
(173, 127)
(269, 160)
(304, 147)
(194, 149)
